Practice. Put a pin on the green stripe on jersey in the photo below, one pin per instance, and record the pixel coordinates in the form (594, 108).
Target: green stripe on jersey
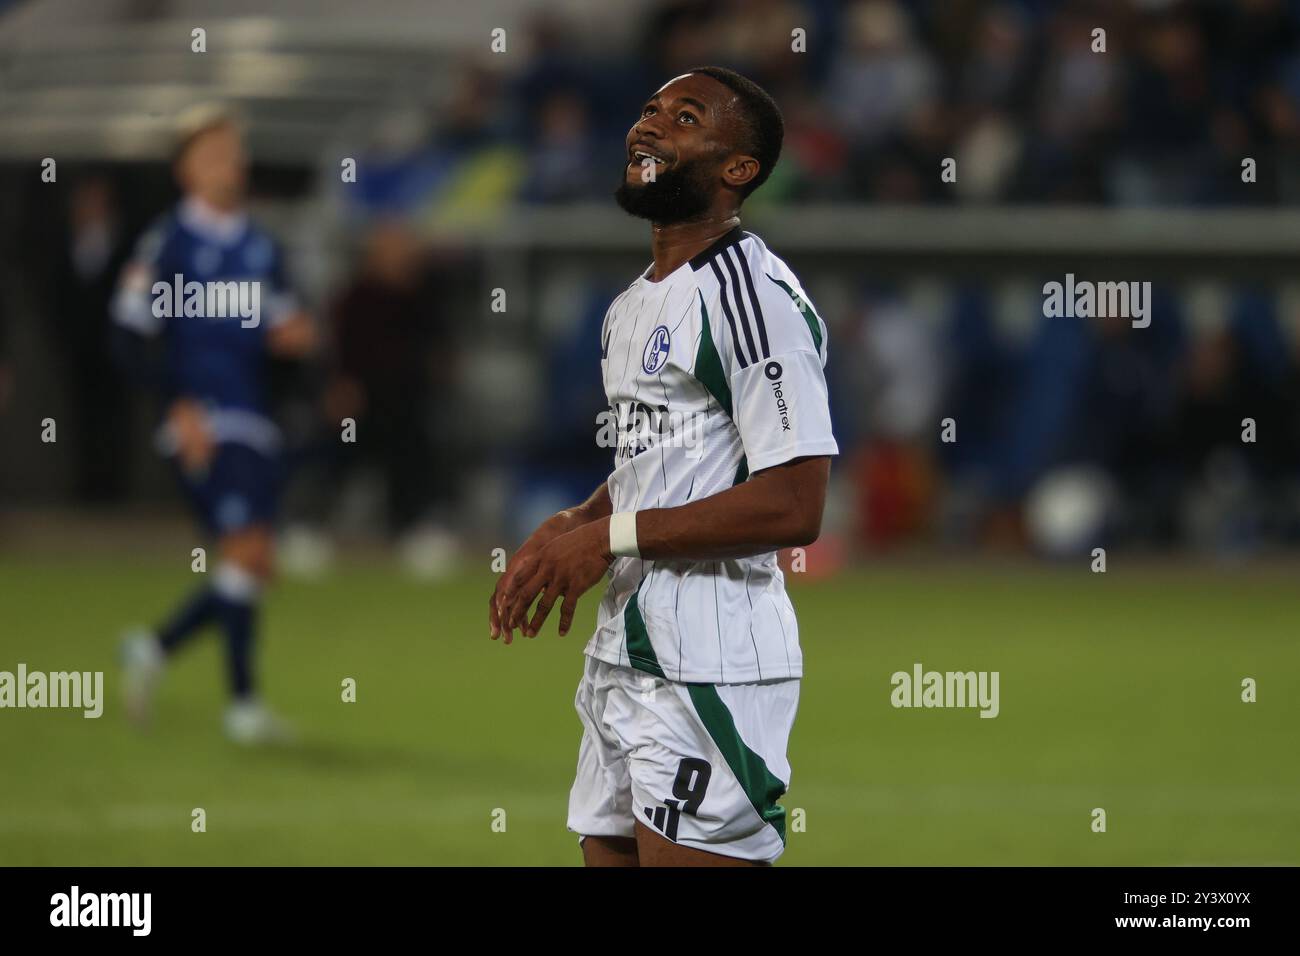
(759, 783)
(809, 316)
(708, 366)
(639, 649)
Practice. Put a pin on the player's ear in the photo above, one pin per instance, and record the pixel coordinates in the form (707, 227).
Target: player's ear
(739, 170)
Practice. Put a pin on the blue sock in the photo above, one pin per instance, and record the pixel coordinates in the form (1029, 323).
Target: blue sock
(235, 594)
(200, 608)
(237, 619)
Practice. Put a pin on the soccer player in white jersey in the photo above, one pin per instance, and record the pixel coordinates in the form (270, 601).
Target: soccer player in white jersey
(713, 367)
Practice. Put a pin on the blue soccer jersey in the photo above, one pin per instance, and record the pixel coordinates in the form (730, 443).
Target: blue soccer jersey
(210, 284)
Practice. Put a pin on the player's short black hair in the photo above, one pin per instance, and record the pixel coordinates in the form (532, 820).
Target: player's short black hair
(765, 129)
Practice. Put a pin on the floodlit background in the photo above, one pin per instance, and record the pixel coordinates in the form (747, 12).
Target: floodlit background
(479, 171)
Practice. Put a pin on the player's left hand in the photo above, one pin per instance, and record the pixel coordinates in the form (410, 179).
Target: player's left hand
(566, 567)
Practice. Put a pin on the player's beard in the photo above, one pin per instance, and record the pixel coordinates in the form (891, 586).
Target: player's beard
(675, 195)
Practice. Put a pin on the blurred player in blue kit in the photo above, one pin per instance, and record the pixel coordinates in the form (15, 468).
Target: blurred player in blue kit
(210, 368)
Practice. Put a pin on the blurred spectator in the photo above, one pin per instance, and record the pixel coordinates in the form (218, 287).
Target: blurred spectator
(470, 118)
(899, 362)
(1240, 379)
(561, 156)
(389, 337)
(93, 249)
(677, 35)
(882, 73)
(6, 369)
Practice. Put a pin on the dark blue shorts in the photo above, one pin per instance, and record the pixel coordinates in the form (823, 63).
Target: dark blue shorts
(240, 488)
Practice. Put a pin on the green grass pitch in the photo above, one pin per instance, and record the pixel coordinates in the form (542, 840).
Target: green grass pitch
(1120, 691)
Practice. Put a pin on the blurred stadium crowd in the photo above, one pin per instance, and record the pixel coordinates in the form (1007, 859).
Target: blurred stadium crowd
(1013, 89)
(1070, 432)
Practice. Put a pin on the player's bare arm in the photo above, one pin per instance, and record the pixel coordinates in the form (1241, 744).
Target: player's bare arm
(779, 507)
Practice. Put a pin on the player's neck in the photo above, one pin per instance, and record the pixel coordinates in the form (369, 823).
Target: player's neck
(677, 243)
(222, 205)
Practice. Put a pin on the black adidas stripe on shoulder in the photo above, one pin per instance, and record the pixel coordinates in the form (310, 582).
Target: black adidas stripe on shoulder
(741, 355)
(735, 285)
(701, 259)
(753, 300)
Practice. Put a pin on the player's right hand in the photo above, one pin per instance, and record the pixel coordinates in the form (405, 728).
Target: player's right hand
(293, 338)
(188, 424)
(547, 531)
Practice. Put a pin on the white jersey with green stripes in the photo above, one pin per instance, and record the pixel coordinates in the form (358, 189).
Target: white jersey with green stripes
(712, 374)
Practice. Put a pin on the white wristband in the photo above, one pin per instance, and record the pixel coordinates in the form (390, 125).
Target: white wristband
(622, 535)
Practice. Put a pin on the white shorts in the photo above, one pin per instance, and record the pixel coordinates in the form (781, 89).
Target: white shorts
(702, 764)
